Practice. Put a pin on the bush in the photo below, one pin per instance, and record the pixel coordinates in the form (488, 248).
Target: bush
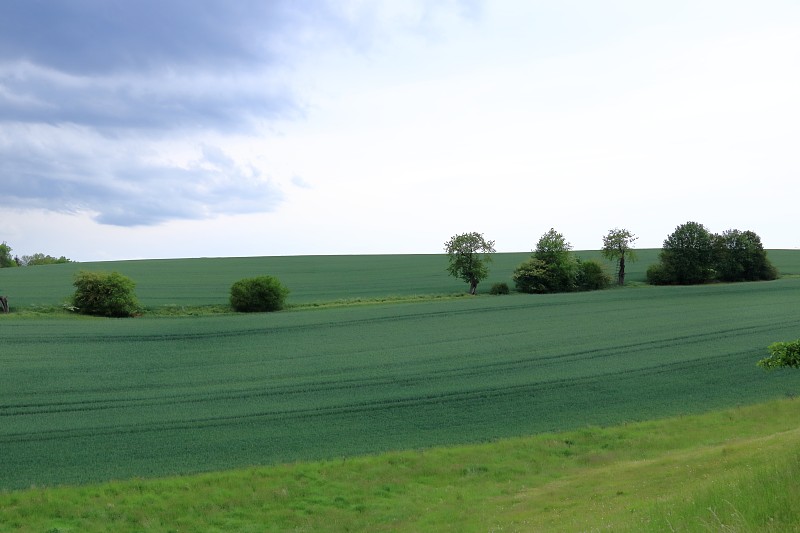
(499, 288)
(531, 277)
(782, 354)
(263, 293)
(539, 277)
(592, 276)
(658, 274)
(104, 294)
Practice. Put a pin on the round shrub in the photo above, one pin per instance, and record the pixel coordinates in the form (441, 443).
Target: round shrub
(262, 293)
(499, 288)
(659, 274)
(104, 294)
(592, 276)
(532, 277)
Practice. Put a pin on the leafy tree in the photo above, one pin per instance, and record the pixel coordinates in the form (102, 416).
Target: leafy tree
(262, 293)
(686, 257)
(740, 256)
(5, 256)
(617, 246)
(552, 268)
(42, 259)
(554, 251)
(552, 247)
(782, 354)
(104, 294)
(469, 255)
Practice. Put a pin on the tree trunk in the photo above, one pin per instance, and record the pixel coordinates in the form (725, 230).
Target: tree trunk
(4, 304)
(473, 286)
(621, 273)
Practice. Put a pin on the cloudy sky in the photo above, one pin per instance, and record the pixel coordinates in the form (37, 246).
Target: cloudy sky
(190, 128)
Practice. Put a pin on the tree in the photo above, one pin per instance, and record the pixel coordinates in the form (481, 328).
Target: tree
(552, 268)
(262, 293)
(469, 255)
(553, 250)
(686, 257)
(5, 256)
(552, 247)
(104, 294)
(617, 246)
(782, 354)
(740, 256)
(42, 259)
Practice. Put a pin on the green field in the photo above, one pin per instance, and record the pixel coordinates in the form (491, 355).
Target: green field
(311, 279)
(86, 400)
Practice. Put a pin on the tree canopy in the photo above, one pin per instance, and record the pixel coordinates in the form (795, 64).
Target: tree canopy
(693, 255)
(469, 255)
(685, 258)
(5, 256)
(740, 256)
(553, 268)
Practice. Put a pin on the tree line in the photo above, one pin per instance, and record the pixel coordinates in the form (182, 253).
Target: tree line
(690, 255)
(6, 260)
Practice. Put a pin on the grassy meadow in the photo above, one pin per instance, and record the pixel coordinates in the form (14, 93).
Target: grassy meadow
(84, 400)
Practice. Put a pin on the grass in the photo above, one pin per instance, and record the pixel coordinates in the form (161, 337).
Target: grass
(724, 470)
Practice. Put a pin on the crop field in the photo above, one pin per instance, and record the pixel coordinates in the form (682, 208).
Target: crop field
(311, 279)
(84, 399)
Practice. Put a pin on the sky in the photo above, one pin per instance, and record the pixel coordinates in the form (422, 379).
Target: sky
(212, 128)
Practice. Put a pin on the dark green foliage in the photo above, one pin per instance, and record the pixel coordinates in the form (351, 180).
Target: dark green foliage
(499, 288)
(686, 257)
(740, 256)
(469, 255)
(782, 354)
(692, 255)
(104, 294)
(687, 254)
(262, 293)
(659, 274)
(591, 276)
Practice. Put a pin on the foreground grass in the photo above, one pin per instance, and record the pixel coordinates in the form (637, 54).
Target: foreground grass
(734, 470)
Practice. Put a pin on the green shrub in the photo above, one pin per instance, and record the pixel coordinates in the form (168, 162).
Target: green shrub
(782, 354)
(592, 276)
(263, 293)
(499, 288)
(659, 274)
(104, 294)
(532, 277)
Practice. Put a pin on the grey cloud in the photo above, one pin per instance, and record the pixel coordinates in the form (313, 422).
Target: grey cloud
(124, 191)
(82, 82)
